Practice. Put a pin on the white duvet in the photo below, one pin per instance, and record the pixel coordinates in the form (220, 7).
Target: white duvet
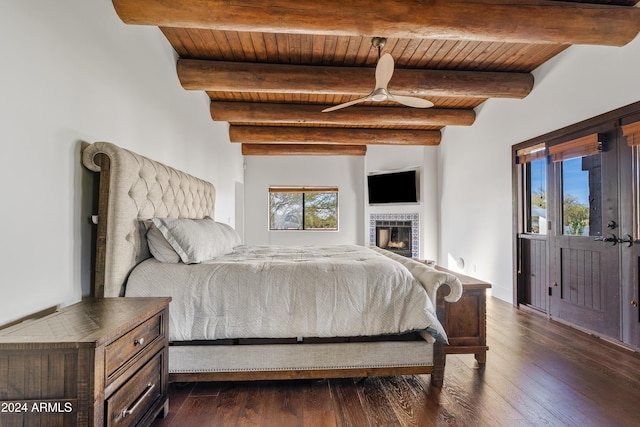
(287, 292)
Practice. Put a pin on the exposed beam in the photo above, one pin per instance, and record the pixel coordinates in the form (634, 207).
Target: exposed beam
(534, 21)
(206, 75)
(327, 135)
(283, 114)
(303, 150)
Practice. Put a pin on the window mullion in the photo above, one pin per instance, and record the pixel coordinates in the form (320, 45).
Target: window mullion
(303, 213)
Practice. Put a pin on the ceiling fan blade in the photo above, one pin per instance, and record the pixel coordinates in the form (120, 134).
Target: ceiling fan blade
(346, 104)
(411, 101)
(384, 71)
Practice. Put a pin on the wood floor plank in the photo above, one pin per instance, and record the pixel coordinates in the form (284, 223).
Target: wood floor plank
(538, 373)
(551, 400)
(409, 409)
(437, 405)
(482, 405)
(375, 396)
(198, 411)
(350, 410)
(257, 406)
(287, 405)
(179, 393)
(318, 406)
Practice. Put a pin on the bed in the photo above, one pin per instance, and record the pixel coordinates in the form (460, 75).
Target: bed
(257, 325)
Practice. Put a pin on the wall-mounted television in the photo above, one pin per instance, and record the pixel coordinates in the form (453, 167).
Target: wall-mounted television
(393, 187)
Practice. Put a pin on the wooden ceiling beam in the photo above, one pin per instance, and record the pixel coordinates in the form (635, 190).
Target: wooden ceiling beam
(534, 21)
(288, 114)
(196, 74)
(327, 135)
(303, 150)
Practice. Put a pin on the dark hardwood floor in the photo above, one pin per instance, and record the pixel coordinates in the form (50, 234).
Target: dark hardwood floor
(538, 373)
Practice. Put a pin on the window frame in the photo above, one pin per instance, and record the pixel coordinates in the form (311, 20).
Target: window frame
(525, 157)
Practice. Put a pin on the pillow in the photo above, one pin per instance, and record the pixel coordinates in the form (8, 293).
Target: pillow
(230, 234)
(158, 245)
(197, 240)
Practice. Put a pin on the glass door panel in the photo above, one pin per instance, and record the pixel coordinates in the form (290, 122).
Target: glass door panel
(582, 196)
(536, 177)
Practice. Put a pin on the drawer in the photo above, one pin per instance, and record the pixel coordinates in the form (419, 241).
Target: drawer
(133, 342)
(128, 405)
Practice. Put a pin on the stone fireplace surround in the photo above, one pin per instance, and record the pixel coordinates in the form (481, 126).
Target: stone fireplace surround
(415, 228)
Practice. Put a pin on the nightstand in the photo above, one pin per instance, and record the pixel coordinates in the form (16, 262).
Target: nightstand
(100, 362)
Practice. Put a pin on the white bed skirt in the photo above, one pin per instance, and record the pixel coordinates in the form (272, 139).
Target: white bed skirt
(287, 357)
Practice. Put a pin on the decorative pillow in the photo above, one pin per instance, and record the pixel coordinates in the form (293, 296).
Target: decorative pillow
(197, 240)
(158, 245)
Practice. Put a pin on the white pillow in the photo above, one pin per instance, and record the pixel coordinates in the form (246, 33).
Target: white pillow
(230, 234)
(197, 240)
(158, 245)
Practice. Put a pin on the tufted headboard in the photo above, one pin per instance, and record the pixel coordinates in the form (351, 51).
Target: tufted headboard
(132, 189)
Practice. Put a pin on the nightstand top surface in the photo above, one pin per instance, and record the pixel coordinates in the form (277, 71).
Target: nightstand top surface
(88, 322)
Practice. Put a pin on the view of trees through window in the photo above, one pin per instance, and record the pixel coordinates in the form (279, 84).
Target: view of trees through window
(581, 200)
(303, 209)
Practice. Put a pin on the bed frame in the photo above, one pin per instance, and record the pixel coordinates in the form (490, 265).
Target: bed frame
(133, 188)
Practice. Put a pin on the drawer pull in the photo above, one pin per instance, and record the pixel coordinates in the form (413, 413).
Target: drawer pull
(138, 341)
(130, 410)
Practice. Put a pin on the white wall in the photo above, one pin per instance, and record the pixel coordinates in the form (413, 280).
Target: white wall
(475, 163)
(72, 72)
(344, 172)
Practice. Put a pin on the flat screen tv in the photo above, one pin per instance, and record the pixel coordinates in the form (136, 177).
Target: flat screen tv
(393, 187)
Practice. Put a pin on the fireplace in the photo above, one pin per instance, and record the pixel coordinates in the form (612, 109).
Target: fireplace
(397, 233)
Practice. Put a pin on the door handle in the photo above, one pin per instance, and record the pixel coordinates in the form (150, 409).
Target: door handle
(627, 239)
(613, 239)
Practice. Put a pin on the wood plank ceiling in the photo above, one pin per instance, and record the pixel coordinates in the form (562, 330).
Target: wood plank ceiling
(271, 67)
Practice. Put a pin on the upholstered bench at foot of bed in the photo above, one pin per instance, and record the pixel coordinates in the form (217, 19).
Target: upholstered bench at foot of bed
(278, 361)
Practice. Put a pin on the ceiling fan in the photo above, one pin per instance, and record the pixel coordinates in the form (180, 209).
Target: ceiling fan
(384, 71)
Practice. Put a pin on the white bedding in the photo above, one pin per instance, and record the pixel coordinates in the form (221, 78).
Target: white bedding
(287, 292)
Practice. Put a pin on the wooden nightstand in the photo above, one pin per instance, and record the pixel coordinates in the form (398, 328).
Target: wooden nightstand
(466, 319)
(100, 362)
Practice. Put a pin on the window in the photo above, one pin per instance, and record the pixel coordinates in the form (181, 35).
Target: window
(581, 164)
(534, 167)
(536, 175)
(581, 196)
(303, 208)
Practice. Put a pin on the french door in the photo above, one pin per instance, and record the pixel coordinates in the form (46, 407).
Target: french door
(577, 224)
(583, 245)
(630, 220)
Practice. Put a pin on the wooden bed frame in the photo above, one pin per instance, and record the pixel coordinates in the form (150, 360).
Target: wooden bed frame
(133, 188)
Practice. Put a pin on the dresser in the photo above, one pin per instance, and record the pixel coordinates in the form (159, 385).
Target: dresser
(466, 320)
(100, 362)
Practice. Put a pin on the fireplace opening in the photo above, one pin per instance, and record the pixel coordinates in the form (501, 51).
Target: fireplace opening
(394, 236)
